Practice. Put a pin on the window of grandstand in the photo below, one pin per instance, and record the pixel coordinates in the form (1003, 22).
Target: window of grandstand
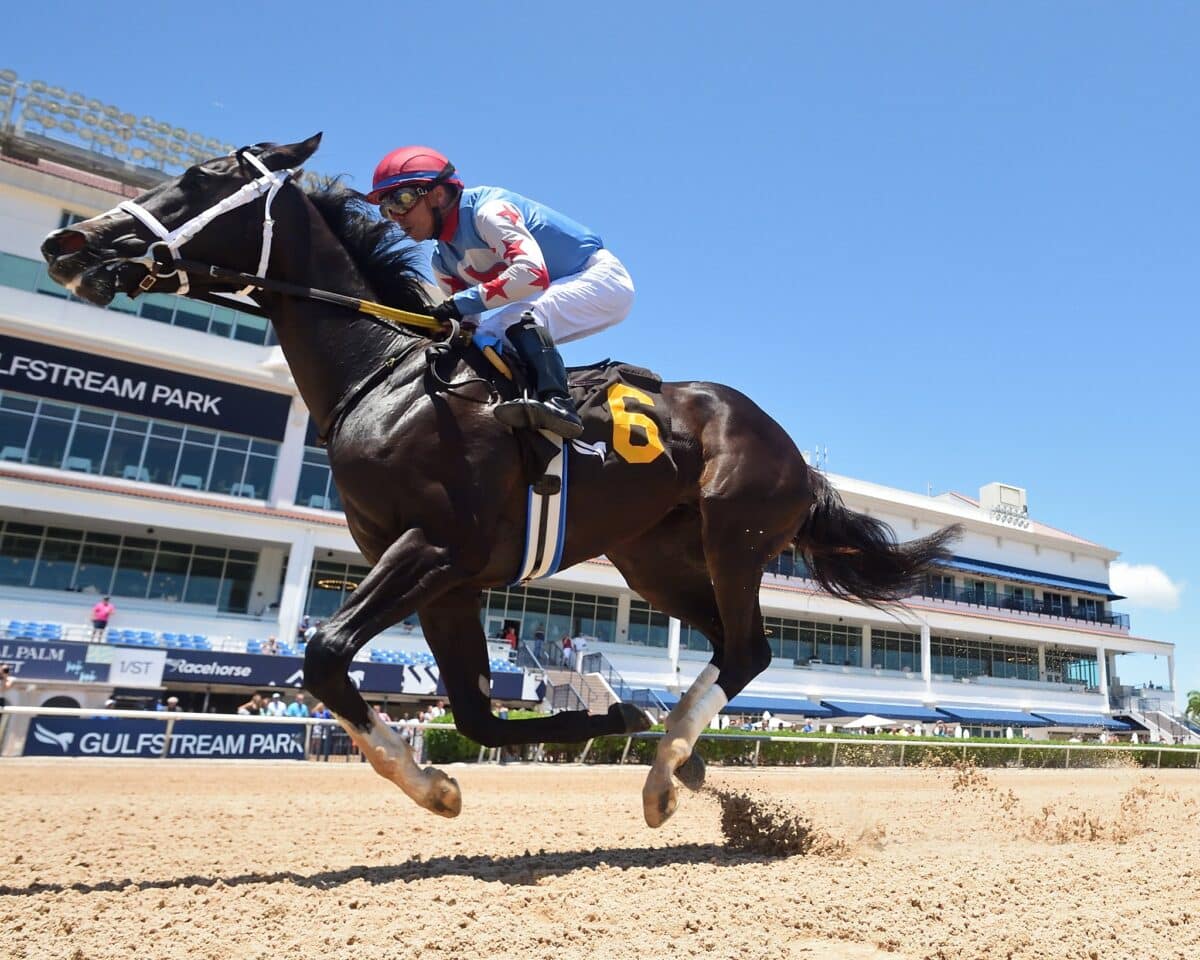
(58, 558)
(895, 650)
(316, 487)
(88, 440)
(939, 585)
(330, 585)
(836, 643)
(553, 611)
(26, 274)
(801, 641)
(788, 564)
(982, 592)
(1073, 666)
(650, 628)
(962, 658)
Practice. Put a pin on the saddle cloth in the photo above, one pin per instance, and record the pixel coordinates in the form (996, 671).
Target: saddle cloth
(624, 422)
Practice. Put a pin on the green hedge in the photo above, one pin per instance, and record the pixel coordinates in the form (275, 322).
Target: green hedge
(736, 748)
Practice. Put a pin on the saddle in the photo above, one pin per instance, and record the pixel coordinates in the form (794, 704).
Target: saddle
(591, 387)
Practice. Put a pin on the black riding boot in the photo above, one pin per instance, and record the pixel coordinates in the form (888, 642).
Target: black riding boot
(553, 410)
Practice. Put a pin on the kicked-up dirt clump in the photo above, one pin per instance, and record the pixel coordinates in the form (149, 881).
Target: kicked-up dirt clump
(757, 826)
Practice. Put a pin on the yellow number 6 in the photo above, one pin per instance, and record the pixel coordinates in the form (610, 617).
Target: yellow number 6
(624, 421)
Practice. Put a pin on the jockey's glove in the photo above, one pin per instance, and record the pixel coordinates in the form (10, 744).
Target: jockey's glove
(444, 313)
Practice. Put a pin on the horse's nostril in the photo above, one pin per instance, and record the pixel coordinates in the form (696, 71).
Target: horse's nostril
(63, 243)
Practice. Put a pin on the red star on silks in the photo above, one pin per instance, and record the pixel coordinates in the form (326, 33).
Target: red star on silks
(512, 248)
(540, 278)
(483, 276)
(494, 289)
(510, 214)
(454, 284)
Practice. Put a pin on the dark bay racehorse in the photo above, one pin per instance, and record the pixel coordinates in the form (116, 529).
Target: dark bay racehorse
(433, 487)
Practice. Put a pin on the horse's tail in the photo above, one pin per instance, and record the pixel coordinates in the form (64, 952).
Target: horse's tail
(857, 557)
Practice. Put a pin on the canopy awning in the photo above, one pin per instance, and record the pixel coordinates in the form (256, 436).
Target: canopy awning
(747, 703)
(989, 717)
(1024, 575)
(894, 711)
(1083, 720)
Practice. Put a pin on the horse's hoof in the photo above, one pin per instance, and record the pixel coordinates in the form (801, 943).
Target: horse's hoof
(691, 772)
(658, 806)
(632, 719)
(444, 797)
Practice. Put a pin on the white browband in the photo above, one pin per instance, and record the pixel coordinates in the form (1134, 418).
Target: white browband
(269, 183)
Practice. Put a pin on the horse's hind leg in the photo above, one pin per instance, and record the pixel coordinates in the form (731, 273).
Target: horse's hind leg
(666, 566)
(453, 632)
(746, 519)
(408, 572)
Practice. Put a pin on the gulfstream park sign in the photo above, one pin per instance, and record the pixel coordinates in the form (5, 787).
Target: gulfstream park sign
(190, 739)
(71, 375)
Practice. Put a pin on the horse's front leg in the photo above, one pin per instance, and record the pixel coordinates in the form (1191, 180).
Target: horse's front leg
(409, 573)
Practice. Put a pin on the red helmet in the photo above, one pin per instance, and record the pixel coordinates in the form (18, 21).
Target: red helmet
(411, 165)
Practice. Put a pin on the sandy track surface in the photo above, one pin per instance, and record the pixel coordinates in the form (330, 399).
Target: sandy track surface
(115, 859)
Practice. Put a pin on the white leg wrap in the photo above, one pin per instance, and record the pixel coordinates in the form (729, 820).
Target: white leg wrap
(707, 677)
(658, 795)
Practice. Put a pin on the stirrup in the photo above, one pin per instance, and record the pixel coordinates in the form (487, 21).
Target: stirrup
(531, 414)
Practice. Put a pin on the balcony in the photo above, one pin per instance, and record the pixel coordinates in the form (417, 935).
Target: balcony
(1045, 608)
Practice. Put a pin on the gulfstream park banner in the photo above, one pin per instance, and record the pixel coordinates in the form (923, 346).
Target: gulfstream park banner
(122, 666)
(71, 375)
(190, 739)
(83, 663)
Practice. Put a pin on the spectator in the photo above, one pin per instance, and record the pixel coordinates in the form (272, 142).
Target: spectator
(766, 720)
(302, 630)
(383, 714)
(312, 631)
(271, 647)
(808, 727)
(539, 642)
(252, 707)
(101, 613)
(275, 706)
(173, 705)
(322, 734)
(297, 708)
(510, 636)
(6, 682)
(568, 651)
(579, 644)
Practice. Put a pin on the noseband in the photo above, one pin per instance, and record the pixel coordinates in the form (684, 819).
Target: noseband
(161, 256)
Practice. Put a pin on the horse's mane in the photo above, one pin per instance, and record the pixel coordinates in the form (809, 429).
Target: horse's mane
(387, 260)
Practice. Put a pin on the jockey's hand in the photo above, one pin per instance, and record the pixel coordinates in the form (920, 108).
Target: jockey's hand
(444, 312)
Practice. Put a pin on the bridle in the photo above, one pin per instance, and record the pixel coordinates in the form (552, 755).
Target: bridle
(161, 257)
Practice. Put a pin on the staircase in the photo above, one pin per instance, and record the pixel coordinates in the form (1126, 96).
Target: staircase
(644, 697)
(565, 689)
(1162, 726)
(596, 689)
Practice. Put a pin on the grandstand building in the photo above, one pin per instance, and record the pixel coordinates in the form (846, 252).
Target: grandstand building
(157, 451)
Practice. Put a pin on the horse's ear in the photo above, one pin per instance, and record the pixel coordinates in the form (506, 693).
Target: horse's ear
(290, 155)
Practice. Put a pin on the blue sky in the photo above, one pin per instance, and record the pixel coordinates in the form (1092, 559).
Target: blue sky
(953, 242)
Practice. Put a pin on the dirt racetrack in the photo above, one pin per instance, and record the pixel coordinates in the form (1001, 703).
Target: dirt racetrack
(190, 860)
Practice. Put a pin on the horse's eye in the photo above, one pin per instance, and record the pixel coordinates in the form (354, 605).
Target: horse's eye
(194, 177)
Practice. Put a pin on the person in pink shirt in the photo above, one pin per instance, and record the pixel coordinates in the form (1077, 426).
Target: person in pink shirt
(100, 614)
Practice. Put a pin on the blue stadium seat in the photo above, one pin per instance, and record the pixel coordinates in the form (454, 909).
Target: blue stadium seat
(196, 638)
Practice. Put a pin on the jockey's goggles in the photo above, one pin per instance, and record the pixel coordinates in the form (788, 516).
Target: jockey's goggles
(405, 197)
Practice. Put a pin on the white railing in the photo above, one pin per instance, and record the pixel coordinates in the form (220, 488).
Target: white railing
(901, 744)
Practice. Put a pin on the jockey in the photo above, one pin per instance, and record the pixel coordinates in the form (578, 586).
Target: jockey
(510, 267)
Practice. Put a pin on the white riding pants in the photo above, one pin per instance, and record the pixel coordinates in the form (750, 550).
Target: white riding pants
(599, 296)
